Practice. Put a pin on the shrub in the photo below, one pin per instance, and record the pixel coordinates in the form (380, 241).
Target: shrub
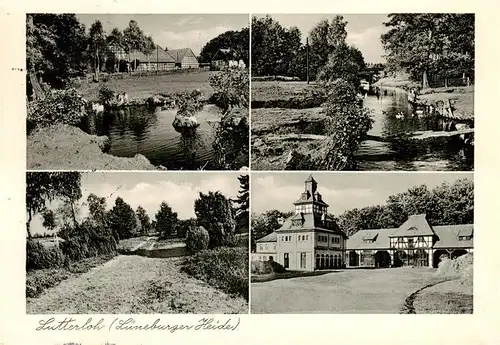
(223, 268)
(267, 267)
(58, 106)
(38, 257)
(40, 280)
(197, 239)
(347, 123)
(86, 240)
(461, 267)
(189, 102)
(106, 95)
(231, 89)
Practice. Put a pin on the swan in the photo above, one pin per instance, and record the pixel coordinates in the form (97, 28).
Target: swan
(97, 108)
(400, 115)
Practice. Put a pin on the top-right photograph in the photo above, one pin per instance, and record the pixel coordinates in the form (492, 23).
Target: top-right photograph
(362, 92)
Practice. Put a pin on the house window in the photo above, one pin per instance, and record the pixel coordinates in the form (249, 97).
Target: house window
(267, 246)
(307, 237)
(274, 246)
(302, 260)
(410, 243)
(261, 247)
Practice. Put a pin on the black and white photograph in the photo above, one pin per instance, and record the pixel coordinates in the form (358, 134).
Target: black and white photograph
(363, 91)
(137, 243)
(137, 91)
(371, 243)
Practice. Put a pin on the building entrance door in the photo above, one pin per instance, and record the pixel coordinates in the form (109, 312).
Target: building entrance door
(286, 260)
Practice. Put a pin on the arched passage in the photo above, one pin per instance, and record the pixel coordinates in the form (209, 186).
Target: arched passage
(317, 262)
(458, 252)
(438, 255)
(421, 258)
(353, 258)
(322, 265)
(331, 261)
(400, 258)
(382, 259)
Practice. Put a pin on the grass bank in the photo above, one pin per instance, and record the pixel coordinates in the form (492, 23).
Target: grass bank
(449, 297)
(64, 147)
(37, 281)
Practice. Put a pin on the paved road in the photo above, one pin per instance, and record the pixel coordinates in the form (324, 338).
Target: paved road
(135, 285)
(349, 291)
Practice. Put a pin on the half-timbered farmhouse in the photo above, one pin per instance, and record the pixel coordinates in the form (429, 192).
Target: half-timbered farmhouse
(414, 243)
(184, 58)
(310, 240)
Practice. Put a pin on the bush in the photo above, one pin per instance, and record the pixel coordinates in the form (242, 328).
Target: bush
(38, 257)
(461, 267)
(38, 281)
(267, 267)
(86, 240)
(58, 106)
(223, 268)
(197, 239)
(106, 95)
(231, 89)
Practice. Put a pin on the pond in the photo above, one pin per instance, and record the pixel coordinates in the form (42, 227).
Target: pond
(150, 132)
(393, 115)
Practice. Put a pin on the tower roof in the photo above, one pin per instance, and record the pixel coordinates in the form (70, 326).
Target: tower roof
(311, 179)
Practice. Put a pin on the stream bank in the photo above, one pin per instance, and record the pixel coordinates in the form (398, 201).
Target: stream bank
(64, 147)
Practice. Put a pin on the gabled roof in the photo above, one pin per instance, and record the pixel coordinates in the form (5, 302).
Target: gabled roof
(448, 236)
(178, 54)
(272, 237)
(224, 54)
(309, 223)
(415, 225)
(379, 239)
(158, 52)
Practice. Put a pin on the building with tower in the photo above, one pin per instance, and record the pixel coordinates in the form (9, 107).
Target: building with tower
(311, 240)
(307, 241)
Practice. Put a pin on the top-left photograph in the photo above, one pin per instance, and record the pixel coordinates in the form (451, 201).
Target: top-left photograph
(137, 91)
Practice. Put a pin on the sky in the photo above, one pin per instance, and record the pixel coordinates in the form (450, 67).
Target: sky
(149, 189)
(173, 30)
(363, 30)
(342, 191)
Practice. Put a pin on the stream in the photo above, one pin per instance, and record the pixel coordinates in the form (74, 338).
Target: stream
(447, 153)
(150, 132)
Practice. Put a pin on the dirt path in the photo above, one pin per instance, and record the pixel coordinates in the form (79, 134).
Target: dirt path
(135, 285)
(349, 291)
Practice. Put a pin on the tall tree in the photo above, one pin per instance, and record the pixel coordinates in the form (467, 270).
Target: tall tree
(122, 220)
(149, 47)
(166, 220)
(97, 209)
(344, 62)
(215, 213)
(133, 39)
(324, 38)
(144, 221)
(97, 44)
(243, 203)
(115, 40)
(237, 41)
(430, 44)
(56, 46)
(44, 187)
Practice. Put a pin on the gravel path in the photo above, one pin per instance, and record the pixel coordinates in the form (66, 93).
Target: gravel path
(135, 285)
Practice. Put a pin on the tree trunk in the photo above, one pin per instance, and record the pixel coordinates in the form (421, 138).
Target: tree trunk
(28, 224)
(425, 81)
(73, 214)
(35, 85)
(97, 65)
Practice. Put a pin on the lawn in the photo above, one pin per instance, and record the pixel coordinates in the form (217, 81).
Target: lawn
(450, 297)
(135, 285)
(141, 87)
(359, 291)
(282, 90)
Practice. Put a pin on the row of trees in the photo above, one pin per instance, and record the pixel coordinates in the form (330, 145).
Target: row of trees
(448, 203)
(279, 51)
(430, 45)
(213, 211)
(237, 41)
(58, 47)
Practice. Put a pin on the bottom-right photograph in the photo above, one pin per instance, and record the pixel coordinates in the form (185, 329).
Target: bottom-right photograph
(362, 243)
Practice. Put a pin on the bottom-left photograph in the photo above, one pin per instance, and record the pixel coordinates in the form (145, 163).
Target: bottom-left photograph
(137, 242)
